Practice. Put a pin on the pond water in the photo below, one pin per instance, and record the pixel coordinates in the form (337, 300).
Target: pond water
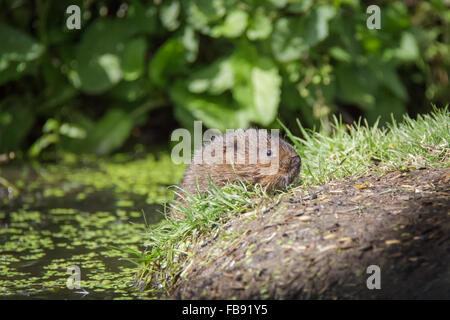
(88, 214)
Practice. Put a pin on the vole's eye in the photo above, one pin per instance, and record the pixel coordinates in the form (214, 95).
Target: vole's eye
(269, 153)
(212, 138)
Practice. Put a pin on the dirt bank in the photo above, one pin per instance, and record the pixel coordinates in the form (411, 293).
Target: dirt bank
(318, 243)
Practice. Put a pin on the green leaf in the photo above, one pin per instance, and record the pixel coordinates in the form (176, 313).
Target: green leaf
(395, 17)
(340, 54)
(234, 25)
(15, 70)
(168, 61)
(299, 6)
(266, 94)
(214, 79)
(316, 28)
(134, 58)
(190, 42)
(215, 111)
(43, 142)
(129, 90)
(169, 14)
(99, 56)
(261, 26)
(201, 13)
(18, 53)
(257, 85)
(51, 125)
(278, 3)
(408, 50)
(287, 41)
(344, 26)
(72, 131)
(17, 46)
(294, 36)
(371, 41)
(143, 19)
(110, 64)
(110, 132)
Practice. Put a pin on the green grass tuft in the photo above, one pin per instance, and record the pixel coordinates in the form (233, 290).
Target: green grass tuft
(355, 149)
(169, 241)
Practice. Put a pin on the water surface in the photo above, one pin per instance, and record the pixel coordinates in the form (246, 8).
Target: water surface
(87, 214)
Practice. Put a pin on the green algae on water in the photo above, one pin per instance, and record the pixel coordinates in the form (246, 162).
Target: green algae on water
(76, 215)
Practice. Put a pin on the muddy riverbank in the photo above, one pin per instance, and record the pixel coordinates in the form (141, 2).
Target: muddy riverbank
(318, 243)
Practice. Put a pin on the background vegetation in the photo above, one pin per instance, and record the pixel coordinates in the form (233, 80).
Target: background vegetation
(138, 68)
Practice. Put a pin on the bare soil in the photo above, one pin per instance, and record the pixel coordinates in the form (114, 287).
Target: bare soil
(318, 243)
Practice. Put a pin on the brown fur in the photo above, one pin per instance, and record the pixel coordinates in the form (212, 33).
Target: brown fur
(198, 175)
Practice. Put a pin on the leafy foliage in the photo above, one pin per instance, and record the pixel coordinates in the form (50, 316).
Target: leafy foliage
(229, 63)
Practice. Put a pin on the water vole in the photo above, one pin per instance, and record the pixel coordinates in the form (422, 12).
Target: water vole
(251, 155)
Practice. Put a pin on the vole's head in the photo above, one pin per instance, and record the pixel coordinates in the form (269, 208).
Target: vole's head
(258, 157)
(280, 164)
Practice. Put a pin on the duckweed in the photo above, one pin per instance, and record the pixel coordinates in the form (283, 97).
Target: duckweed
(87, 216)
